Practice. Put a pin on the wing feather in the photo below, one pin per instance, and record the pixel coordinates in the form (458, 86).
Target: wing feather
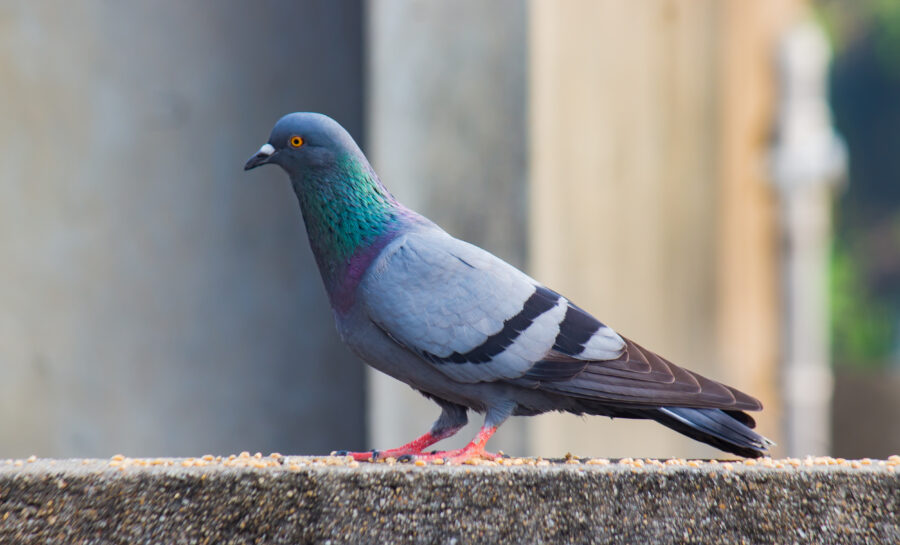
(637, 377)
(467, 312)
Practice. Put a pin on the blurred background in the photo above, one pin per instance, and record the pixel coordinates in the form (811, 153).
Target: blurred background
(714, 178)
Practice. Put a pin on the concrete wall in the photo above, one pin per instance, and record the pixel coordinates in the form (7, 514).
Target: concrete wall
(294, 500)
(153, 297)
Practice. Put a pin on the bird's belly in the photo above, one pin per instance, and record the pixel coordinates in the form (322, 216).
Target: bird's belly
(381, 352)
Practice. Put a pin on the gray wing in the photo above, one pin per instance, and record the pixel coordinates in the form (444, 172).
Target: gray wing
(467, 312)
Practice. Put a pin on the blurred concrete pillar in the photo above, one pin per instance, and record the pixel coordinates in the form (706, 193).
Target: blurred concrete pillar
(154, 298)
(448, 135)
(808, 160)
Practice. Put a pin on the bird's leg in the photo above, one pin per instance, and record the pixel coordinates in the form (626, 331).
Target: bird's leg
(475, 449)
(452, 419)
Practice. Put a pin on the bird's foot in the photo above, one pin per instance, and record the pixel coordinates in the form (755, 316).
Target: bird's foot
(413, 448)
(370, 455)
(400, 454)
(468, 454)
(413, 451)
(455, 457)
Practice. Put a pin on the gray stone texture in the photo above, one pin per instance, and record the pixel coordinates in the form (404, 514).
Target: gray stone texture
(73, 503)
(154, 298)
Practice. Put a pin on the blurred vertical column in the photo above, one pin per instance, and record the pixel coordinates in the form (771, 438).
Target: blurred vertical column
(154, 298)
(448, 135)
(809, 159)
(750, 320)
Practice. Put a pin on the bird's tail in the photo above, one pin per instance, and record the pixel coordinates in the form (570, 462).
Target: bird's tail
(726, 430)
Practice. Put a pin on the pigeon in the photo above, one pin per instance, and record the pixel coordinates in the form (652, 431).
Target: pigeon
(466, 329)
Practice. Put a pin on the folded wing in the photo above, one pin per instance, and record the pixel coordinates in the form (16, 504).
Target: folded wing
(477, 318)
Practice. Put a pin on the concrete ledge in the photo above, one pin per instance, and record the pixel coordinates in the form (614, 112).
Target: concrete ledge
(328, 500)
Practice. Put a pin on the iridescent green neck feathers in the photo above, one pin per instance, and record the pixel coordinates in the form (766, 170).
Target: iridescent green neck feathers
(346, 209)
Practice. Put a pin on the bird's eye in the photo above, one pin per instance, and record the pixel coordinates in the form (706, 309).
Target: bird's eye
(296, 141)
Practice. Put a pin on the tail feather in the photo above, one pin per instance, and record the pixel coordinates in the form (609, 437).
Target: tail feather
(741, 417)
(728, 430)
(714, 427)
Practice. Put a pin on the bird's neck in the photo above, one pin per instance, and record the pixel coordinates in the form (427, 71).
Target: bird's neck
(350, 216)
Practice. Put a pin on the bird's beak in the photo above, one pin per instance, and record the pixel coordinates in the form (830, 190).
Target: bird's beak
(261, 157)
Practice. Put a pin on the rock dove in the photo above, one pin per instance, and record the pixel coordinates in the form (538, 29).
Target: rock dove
(467, 329)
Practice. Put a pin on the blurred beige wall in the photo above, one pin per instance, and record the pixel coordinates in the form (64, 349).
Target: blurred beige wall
(623, 157)
(650, 204)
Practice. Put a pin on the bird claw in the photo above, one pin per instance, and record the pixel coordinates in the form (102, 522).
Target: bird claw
(358, 456)
(406, 458)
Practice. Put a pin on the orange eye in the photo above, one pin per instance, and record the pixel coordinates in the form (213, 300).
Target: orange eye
(296, 141)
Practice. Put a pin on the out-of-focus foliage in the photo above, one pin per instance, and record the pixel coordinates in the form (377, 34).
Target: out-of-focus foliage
(862, 324)
(865, 93)
(848, 21)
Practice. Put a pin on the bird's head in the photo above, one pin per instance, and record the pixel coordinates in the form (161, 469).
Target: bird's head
(304, 142)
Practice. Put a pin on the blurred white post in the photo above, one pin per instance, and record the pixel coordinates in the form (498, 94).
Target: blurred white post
(808, 161)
